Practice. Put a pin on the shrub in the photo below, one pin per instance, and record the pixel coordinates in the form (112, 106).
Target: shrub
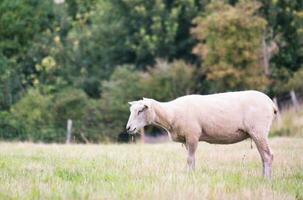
(166, 81)
(31, 118)
(75, 105)
(124, 85)
(295, 82)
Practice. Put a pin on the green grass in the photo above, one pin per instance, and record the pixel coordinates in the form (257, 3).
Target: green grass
(39, 171)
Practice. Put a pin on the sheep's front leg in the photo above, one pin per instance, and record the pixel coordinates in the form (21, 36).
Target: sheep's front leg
(191, 146)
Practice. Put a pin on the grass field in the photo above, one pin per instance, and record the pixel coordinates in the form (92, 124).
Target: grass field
(38, 171)
(289, 123)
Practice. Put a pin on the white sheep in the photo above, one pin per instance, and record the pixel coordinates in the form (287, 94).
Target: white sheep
(223, 118)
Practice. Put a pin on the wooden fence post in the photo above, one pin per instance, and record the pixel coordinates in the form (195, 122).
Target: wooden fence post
(294, 99)
(69, 131)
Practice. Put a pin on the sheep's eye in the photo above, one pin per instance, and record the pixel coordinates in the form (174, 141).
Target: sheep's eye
(140, 111)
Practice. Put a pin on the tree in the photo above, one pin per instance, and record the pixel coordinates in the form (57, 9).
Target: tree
(230, 46)
(285, 19)
(285, 28)
(20, 23)
(166, 81)
(138, 32)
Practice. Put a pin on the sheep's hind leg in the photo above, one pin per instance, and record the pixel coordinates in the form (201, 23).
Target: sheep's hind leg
(191, 147)
(265, 153)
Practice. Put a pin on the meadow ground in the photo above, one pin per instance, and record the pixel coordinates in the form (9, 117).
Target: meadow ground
(150, 171)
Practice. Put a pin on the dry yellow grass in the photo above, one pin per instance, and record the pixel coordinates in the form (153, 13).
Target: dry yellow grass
(289, 123)
(39, 171)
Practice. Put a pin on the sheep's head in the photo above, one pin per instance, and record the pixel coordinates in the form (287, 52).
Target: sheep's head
(141, 114)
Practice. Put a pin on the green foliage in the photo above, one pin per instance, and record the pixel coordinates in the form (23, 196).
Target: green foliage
(7, 130)
(279, 79)
(74, 104)
(138, 32)
(33, 119)
(20, 23)
(285, 22)
(295, 82)
(84, 60)
(78, 9)
(230, 46)
(43, 117)
(285, 25)
(167, 81)
(123, 86)
(99, 38)
(286, 81)
(69, 104)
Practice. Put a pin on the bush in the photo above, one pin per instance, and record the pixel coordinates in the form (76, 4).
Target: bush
(8, 130)
(295, 82)
(69, 104)
(84, 112)
(31, 118)
(167, 81)
(124, 85)
(43, 117)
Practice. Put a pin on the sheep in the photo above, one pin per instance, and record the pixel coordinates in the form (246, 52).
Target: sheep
(223, 118)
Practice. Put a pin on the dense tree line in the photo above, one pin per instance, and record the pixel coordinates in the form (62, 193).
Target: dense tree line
(83, 60)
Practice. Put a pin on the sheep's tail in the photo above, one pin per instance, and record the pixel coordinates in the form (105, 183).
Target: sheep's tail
(276, 110)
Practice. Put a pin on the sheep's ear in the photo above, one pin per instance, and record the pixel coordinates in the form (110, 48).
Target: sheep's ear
(131, 102)
(147, 102)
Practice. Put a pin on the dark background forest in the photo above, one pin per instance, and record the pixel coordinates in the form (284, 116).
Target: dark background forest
(84, 60)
